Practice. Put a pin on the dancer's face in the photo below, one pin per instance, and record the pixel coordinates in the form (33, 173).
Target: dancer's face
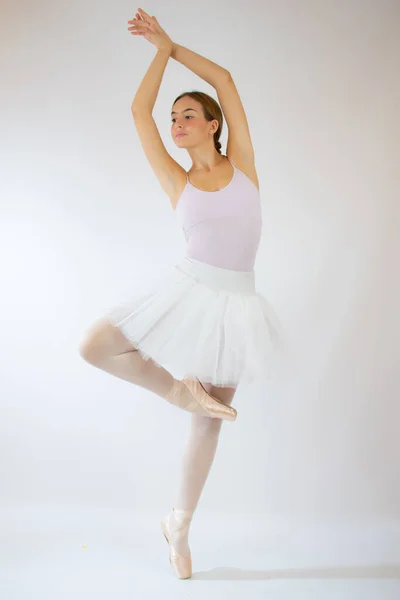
(190, 122)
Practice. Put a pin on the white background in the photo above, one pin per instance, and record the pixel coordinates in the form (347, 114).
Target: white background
(88, 459)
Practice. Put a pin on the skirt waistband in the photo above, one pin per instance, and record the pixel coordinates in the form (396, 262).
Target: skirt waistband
(241, 282)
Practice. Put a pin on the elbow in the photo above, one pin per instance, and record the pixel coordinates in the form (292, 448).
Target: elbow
(140, 110)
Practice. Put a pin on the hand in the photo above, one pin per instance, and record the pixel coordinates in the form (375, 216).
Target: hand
(150, 28)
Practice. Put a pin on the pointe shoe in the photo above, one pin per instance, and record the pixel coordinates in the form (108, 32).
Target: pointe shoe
(212, 406)
(201, 401)
(182, 565)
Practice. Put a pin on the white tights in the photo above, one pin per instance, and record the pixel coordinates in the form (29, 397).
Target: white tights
(106, 348)
(201, 446)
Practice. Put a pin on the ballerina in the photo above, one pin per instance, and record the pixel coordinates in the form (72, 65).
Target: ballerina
(193, 335)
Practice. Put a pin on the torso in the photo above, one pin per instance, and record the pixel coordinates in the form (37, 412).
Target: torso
(222, 225)
(217, 180)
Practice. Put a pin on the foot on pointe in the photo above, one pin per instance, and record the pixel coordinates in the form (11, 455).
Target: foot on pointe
(175, 527)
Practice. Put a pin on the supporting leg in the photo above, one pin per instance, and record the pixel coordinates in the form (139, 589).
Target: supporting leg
(197, 460)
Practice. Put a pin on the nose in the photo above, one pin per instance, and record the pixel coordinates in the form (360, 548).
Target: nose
(178, 129)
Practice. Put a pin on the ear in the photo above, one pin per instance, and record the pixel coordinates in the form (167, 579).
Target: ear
(216, 125)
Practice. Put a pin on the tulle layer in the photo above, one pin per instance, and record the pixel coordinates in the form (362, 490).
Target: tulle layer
(203, 321)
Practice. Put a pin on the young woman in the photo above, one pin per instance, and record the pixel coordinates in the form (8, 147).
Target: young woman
(204, 319)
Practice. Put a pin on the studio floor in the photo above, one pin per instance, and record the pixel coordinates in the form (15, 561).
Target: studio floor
(58, 553)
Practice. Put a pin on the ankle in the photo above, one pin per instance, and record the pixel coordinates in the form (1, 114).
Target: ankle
(173, 390)
(182, 514)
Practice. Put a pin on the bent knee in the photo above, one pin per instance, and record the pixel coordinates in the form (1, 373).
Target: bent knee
(102, 339)
(90, 347)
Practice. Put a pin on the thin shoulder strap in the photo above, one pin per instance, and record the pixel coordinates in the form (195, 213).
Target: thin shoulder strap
(230, 161)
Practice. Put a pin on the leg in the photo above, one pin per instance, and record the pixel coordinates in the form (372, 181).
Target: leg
(200, 450)
(106, 348)
(196, 464)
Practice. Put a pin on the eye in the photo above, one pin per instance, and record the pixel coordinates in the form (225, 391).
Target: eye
(186, 117)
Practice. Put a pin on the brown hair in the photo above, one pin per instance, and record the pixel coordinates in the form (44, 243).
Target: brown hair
(211, 111)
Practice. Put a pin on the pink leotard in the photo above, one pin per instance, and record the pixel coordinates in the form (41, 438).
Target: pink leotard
(222, 228)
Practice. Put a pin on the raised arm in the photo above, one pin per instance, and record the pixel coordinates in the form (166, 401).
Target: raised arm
(239, 145)
(149, 28)
(168, 171)
(203, 67)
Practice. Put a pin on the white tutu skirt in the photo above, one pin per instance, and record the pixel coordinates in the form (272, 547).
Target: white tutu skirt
(202, 321)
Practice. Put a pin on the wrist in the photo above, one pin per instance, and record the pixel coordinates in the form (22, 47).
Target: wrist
(167, 47)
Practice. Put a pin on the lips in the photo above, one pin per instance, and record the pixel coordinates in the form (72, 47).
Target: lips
(180, 134)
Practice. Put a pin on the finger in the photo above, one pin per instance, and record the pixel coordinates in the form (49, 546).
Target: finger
(137, 17)
(137, 24)
(142, 12)
(136, 30)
